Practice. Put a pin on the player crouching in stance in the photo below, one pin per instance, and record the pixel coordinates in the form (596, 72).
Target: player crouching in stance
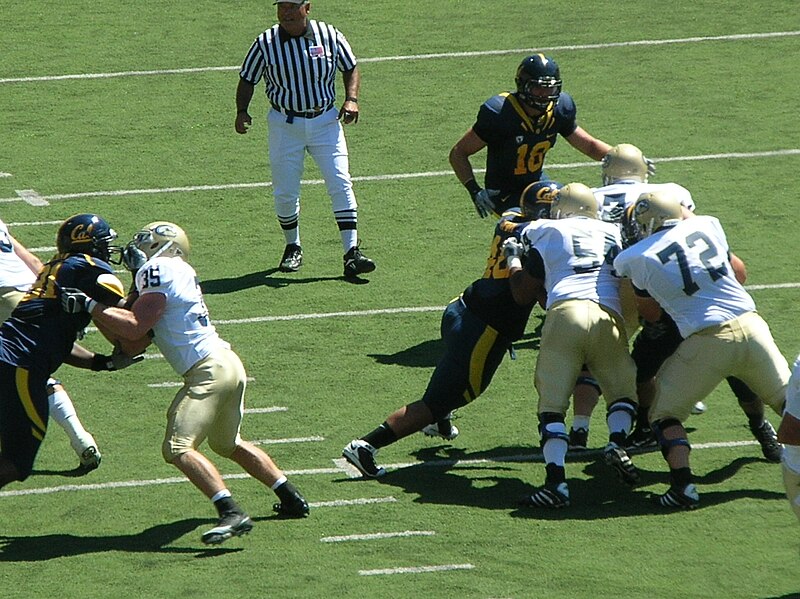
(478, 328)
(570, 258)
(169, 308)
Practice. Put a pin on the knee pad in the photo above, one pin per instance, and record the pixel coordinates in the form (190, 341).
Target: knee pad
(552, 426)
(591, 381)
(666, 444)
(622, 405)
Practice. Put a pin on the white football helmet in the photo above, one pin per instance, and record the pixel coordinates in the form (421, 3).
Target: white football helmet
(160, 238)
(654, 210)
(575, 199)
(625, 162)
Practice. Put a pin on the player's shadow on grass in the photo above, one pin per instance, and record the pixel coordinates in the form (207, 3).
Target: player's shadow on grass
(428, 353)
(151, 540)
(265, 278)
(441, 479)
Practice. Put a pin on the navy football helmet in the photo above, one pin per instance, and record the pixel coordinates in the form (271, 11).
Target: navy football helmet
(538, 81)
(87, 234)
(537, 198)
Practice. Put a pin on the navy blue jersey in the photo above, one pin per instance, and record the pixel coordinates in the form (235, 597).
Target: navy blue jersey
(516, 143)
(490, 297)
(39, 334)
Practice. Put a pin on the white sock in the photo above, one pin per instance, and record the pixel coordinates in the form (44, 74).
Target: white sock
(580, 422)
(220, 494)
(555, 449)
(63, 412)
(278, 482)
(349, 239)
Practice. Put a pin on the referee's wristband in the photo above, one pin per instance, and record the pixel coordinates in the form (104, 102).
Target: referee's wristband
(351, 99)
(514, 262)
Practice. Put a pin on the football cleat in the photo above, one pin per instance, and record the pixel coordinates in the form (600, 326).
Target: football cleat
(768, 439)
(620, 461)
(362, 455)
(443, 428)
(292, 258)
(699, 408)
(578, 439)
(640, 437)
(90, 460)
(296, 508)
(356, 263)
(230, 524)
(684, 499)
(550, 496)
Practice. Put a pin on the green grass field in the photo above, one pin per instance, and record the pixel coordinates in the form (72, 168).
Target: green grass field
(704, 88)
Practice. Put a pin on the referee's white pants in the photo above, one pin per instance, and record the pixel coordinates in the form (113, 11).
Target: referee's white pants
(324, 139)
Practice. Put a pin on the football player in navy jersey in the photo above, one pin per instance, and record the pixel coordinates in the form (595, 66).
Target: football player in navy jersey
(39, 336)
(478, 329)
(518, 129)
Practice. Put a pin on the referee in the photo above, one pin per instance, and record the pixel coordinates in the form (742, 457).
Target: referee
(298, 59)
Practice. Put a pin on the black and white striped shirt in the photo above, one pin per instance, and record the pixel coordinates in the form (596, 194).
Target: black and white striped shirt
(300, 72)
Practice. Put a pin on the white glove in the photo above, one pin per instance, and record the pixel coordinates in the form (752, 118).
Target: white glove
(513, 248)
(483, 202)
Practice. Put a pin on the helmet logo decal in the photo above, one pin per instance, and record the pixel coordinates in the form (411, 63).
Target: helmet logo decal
(79, 235)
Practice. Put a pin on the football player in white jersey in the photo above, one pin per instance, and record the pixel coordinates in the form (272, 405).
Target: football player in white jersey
(626, 172)
(571, 258)
(789, 435)
(683, 266)
(170, 310)
(18, 270)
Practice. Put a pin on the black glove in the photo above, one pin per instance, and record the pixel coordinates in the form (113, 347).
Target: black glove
(116, 361)
(74, 301)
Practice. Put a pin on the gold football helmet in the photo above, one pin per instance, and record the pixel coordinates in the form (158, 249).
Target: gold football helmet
(625, 161)
(156, 239)
(575, 199)
(654, 210)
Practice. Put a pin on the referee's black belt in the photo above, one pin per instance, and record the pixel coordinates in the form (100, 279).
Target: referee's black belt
(311, 114)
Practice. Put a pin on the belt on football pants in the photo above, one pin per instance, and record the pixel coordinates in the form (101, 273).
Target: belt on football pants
(291, 114)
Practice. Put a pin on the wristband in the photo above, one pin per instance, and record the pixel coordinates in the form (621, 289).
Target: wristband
(472, 186)
(90, 305)
(351, 99)
(101, 363)
(514, 262)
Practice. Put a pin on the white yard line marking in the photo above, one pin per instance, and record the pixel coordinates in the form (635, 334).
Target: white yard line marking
(438, 55)
(4, 175)
(32, 197)
(416, 569)
(387, 177)
(346, 467)
(533, 457)
(378, 535)
(266, 410)
(37, 223)
(312, 439)
(346, 502)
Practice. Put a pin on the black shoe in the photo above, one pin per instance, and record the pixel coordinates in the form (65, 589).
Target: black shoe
(550, 496)
(578, 439)
(356, 263)
(684, 499)
(620, 461)
(768, 439)
(296, 507)
(362, 455)
(90, 460)
(292, 258)
(641, 437)
(230, 524)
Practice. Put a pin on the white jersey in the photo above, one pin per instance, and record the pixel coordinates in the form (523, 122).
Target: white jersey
(184, 333)
(13, 271)
(614, 199)
(577, 253)
(687, 270)
(793, 391)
